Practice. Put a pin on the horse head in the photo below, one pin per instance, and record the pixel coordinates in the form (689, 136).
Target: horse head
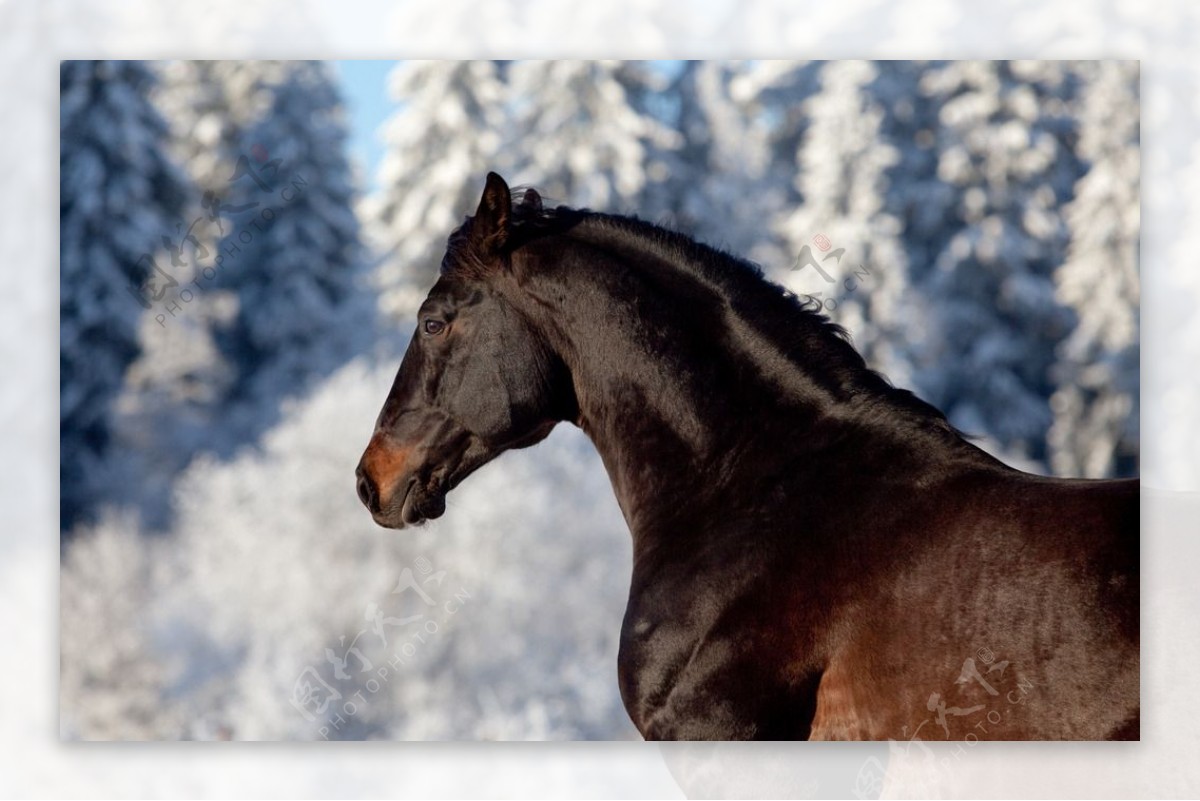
(476, 380)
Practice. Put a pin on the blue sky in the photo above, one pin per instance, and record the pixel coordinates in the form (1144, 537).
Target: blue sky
(364, 89)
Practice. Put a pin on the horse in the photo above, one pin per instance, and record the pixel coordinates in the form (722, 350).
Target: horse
(817, 554)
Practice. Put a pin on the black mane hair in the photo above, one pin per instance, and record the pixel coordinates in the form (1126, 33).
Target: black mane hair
(794, 326)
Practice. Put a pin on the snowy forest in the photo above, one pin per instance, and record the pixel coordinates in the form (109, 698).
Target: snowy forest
(237, 292)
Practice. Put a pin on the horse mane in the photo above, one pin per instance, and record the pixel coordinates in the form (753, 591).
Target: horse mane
(791, 325)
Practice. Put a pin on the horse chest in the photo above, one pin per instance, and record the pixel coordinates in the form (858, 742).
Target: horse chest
(706, 678)
(665, 669)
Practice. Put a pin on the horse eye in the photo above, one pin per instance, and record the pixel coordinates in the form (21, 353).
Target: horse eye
(434, 327)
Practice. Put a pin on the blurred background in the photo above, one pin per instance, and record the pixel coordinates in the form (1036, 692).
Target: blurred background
(243, 246)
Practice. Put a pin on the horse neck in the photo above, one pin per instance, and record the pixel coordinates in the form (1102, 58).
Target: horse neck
(677, 433)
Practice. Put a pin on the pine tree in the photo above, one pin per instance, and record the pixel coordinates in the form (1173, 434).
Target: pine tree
(782, 89)
(209, 106)
(1096, 403)
(923, 207)
(717, 185)
(120, 194)
(1005, 148)
(926, 206)
(602, 139)
(848, 250)
(443, 139)
(291, 256)
(205, 116)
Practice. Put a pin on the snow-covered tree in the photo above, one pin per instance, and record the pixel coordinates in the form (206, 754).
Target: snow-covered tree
(272, 574)
(173, 391)
(925, 206)
(601, 138)
(209, 105)
(1095, 431)
(447, 133)
(113, 682)
(782, 89)
(120, 195)
(205, 117)
(848, 249)
(1004, 146)
(291, 256)
(717, 186)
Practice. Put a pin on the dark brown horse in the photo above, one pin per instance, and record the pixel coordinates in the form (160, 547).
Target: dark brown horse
(816, 554)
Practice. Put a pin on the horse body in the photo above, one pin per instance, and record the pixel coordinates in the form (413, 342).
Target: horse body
(862, 617)
(816, 554)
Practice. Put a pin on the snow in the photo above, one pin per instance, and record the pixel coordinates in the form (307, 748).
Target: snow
(120, 193)
(1096, 402)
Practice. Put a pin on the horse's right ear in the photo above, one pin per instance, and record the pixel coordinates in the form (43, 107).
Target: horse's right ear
(489, 229)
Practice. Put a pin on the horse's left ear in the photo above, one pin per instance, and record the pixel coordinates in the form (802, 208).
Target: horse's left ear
(490, 226)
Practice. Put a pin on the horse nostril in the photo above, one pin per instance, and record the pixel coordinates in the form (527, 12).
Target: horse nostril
(367, 493)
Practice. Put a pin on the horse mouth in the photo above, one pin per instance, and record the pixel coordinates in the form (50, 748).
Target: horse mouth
(420, 503)
(423, 497)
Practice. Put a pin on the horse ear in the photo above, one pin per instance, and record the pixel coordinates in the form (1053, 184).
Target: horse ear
(490, 226)
(532, 200)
